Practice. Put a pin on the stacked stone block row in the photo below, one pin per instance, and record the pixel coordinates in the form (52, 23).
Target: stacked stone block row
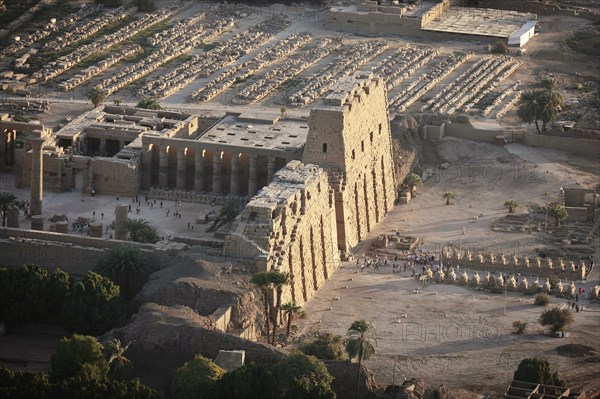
(50, 28)
(492, 84)
(161, 56)
(510, 103)
(483, 75)
(89, 28)
(242, 71)
(66, 62)
(498, 100)
(100, 67)
(206, 64)
(286, 71)
(348, 62)
(427, 80)
(403, 63)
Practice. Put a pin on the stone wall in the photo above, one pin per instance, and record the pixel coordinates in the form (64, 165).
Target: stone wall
(349, 135)
(71, 253)
(290, 226)
(114, 176)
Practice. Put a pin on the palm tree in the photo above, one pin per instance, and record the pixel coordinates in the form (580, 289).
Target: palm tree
(529, 109)
(96, 95)
(360, 344)
(448, 195)
(149, 103)
(141, 231)
(550, 88)
(290, 309)
(413, 181)
(278, 279)
(549, 109)
(262, 281)
(122, 264)
(512, 205)
(6, 201)
(120, 367)
(559, 213)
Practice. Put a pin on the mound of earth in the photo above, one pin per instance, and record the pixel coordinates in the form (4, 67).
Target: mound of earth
(164, 337)
(576, 350)
(203, 286)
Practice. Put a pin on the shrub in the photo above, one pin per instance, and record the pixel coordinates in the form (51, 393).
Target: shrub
(196, 378)
(519, 326)
(556, 318)
(542, 299)
(325, 346)
(537, 371)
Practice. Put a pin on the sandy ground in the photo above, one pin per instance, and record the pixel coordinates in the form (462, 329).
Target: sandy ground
(453, 335)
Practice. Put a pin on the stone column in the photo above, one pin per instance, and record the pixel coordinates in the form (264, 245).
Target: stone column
(96, 229)
(121, 215)
(37, 183)
(12, 217)
(270, 168)
(235, 171)
(163, 167)
(102, 149)
(180, 184)
(252, 180)
(216, 187)
(37, 222)
(199, 170)
(146, 166)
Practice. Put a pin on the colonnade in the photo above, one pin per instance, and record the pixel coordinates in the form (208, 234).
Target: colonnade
(212, 170)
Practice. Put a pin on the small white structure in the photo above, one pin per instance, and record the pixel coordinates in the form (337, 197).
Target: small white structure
(523, 34)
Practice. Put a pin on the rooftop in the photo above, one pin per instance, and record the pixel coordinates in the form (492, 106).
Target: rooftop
(262, 130)
(480, 21)
(287, 182)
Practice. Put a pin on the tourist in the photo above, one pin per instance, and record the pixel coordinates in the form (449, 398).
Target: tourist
(161, 204)
(129, 208)
(102, 215)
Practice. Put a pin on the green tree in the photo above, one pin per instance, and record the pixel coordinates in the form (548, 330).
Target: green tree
(94, 305)
(324, 346)
(149, 103)
(512, 205)
(542, 299)
(6, 201)
(96, 95)
(557, 318)
(23, 385)
(251, 381)
(537, 371)
(140, 231)
(279, 280)
(22, 295)
(262, 281)
(360, 344)
(299, 377)
(290, 309)
(500, 47)
(230, 209)
(559, 213)
(120, 367)
(79, 357)
(529, 108)
(196, 378)
(448, 195)
(127, 266)
(413, 181)
(117, 101)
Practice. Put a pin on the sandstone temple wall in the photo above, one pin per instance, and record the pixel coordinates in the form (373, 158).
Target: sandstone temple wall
(290, 227)
(350, 137)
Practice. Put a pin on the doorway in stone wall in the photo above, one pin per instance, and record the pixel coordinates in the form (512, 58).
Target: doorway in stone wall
(78, 180)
